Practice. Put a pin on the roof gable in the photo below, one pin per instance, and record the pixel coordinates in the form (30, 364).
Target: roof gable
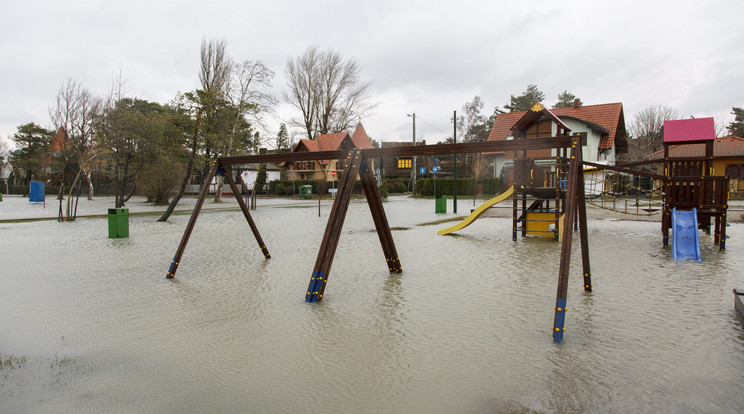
(360, 138)
(535, 113)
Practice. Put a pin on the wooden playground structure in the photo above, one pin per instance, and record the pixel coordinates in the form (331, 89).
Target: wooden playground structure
(554, 196)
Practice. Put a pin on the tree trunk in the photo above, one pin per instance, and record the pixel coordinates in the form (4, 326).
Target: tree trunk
(218, 193)
(27, 192)
(90, 187)
(189, 169)
(123, 187)
(117, 184)
(131, 193)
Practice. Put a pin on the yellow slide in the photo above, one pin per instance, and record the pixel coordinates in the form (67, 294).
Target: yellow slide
(477, 212)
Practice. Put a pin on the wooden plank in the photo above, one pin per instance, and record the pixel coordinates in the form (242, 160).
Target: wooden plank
(418, 150)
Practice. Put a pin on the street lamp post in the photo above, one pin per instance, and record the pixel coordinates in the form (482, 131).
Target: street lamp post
(414, 157)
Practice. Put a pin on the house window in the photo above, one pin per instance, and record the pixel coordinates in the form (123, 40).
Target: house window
(735, 172)
(404, 162)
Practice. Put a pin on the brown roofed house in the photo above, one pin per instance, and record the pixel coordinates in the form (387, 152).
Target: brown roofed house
(328, 170)
(604, 124)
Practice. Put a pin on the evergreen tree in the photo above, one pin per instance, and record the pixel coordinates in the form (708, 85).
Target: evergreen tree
(32, 146)
(261, 178)
(736, 128)
(282, 139)
(525, 101)
(566, 100)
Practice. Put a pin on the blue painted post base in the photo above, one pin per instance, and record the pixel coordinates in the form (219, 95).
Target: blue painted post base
(560, 319)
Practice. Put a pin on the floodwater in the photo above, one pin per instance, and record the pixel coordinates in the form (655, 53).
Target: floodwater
(93, 326)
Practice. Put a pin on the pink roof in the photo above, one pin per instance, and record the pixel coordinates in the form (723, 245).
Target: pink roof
(689, 130)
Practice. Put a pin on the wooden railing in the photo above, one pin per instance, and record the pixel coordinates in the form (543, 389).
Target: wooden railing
(702, 193)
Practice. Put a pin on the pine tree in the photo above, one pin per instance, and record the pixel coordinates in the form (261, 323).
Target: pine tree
(736, 128)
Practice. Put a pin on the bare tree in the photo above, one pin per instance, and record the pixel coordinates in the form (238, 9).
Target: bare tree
(479, 167)
(230, 101)
(646, 130)
(72, 116)
(327, 91)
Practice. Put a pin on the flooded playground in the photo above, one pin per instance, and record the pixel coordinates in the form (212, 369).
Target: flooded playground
(90, 324)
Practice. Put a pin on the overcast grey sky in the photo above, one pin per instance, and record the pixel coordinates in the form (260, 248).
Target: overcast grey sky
(419, 56)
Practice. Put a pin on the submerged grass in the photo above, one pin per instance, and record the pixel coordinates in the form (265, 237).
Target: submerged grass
(447, 220)
(11, 361)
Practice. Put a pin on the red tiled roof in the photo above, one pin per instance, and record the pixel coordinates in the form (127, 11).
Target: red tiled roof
(360, 138)
(325, 142)
(608, 116)
(722, 147)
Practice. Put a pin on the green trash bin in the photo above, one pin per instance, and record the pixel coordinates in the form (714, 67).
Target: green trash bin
(440, 205)
(306, 191)
(118, 223)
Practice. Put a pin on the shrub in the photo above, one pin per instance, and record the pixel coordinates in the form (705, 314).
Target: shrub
(384, 190)
(159, 179)
(280, 189)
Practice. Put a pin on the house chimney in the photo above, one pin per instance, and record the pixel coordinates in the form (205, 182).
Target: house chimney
(577, 103)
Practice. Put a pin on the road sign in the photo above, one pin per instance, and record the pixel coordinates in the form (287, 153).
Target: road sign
(435, 169)
(422, 170)
(333, 173)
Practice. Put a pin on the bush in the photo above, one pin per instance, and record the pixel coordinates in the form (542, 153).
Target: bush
(159, 179)
(280, 189)
(384, 190)
(465, 186)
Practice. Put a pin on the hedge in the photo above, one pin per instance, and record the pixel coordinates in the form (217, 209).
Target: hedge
(465, 186)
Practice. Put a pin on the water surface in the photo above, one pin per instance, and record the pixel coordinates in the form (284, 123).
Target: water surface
(464, 329)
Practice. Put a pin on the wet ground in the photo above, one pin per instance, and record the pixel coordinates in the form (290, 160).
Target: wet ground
(90, 324)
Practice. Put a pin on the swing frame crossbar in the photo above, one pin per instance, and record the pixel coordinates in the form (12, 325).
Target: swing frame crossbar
(357, 162)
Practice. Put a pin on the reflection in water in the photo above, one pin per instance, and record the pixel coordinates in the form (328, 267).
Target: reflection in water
(464, 329)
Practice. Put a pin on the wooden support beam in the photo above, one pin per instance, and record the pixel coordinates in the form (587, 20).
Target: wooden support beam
(192, 220)
(583, 233)
(335, 224)
(247, 215)
(418, 150)
(565, 260)
(378, 216)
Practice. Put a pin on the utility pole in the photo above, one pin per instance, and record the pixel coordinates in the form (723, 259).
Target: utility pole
(413, 172)
(454, 183)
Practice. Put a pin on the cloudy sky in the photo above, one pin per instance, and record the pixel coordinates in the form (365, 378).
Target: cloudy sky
(419, 56)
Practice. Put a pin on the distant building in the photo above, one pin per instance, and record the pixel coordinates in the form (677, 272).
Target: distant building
(328, 170)
(401, 167)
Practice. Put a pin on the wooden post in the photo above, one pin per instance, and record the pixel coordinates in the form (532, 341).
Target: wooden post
(378, 216)
(335, 224)
(247, 215)
(583, 233)
(565, 260)
(192, 221)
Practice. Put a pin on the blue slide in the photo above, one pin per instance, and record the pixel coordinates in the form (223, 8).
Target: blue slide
(685, 241)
